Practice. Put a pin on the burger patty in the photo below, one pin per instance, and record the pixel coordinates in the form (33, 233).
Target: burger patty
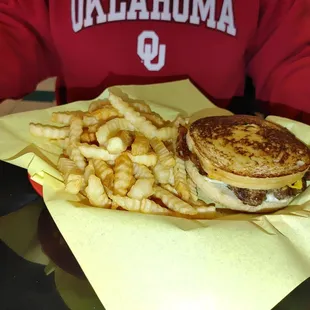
(249, 197)
(254, 197)
(283, 192)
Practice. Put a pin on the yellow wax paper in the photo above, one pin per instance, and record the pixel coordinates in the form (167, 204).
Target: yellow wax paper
(136, 261)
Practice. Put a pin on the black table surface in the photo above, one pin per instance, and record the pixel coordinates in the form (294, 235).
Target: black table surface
(24, 285)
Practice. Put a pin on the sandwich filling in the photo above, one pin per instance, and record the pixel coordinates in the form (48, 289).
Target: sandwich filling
(252, 197)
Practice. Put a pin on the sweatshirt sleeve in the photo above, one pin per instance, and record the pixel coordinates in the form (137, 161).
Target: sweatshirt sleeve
(27, 55)
(279, 57)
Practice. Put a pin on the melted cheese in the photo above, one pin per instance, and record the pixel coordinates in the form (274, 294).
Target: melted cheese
(297, 185)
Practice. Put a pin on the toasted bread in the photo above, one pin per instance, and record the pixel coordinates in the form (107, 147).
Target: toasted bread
(249, 146)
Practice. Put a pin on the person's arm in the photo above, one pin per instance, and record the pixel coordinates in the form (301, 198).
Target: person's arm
(279, 57)
(26, 47)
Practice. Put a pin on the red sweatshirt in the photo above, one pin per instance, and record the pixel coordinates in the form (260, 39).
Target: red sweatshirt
(93, 44)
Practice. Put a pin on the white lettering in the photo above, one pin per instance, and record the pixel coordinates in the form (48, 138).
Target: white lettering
(86, 13)
(138, 5)
(77, 19)
(207, 13)
(165, 14)
(226, 22)
(180, 17)
(149, 51)
(117, 15)
(91, 6)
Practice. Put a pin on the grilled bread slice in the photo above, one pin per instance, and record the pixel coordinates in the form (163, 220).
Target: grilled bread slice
(248, 152)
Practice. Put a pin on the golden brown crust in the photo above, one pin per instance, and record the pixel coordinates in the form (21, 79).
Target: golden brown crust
(249, 146)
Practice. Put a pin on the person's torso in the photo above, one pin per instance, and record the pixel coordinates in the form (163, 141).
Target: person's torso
(108, 42)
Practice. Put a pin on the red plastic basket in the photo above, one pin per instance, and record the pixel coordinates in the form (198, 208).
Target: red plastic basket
(37, 187)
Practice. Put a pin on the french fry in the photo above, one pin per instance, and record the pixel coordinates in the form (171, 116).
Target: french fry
(143, 188)
(111, 128)
(76, 130)
(141, 107)
(192, 189)
(140, 122)
(88, 137)
(144, 206)
(126, 202)
(94, 128)
(106, 113)
(96, 194)
(133, 180)
(89, 120)
(65, 117)
(208, 212)
(140, 146)
(50, 132)
(96, 152)
(167, 133)
(116, 145)
(134, 117)
(123, 174)
(120, 143)
(151, 207)
(154, 118)
(180, 179)
(98, 104)
(109, 182)
(73, 176)
(102, 169)
(61, 117)
(142, 172)
(104, 172)
(169, 188)
(89, 170)
(164, 156)
(114, 206)
(75, 155)
(172, 202)
(148, 160)
(204, 211)
(163, 175)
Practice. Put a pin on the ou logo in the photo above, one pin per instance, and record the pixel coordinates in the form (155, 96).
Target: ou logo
(149, 51)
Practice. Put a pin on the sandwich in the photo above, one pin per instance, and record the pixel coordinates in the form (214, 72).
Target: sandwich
(244, 163)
